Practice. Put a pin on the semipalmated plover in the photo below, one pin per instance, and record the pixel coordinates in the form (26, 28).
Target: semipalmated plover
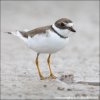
(47, 39)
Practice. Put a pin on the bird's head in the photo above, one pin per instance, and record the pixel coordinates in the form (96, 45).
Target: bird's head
(64, 26)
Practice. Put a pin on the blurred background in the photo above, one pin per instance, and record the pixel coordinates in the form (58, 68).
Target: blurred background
(80, 57)
(30, 14)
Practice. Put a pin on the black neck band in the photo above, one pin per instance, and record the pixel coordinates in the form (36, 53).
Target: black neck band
(58, 33)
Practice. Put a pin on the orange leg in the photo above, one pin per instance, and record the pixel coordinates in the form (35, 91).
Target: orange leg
(51, 74)
(37, 64)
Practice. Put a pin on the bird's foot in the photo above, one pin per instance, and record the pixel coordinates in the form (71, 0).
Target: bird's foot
(42, 78)
(51, 76)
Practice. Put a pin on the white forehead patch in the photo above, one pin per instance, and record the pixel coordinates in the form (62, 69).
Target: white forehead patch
(70, 24)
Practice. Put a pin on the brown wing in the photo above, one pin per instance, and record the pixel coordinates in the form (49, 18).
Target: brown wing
(31, 33)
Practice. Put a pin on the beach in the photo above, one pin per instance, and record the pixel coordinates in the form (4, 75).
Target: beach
(76, 66)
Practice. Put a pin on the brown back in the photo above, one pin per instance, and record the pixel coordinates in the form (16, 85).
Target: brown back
(31, 33)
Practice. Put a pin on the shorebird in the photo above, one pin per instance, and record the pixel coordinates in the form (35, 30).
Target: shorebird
(47, 39)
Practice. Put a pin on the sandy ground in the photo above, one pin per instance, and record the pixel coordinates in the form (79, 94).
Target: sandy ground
(76, 66)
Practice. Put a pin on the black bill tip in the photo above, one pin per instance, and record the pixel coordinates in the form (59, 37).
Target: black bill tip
(72, 29)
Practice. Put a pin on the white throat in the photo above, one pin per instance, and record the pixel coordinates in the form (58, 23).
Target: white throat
(63, 32)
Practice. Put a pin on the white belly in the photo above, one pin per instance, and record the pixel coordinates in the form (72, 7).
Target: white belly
(46, 43)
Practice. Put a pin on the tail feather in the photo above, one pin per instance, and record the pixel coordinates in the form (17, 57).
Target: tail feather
(21, 34)
(9, 32)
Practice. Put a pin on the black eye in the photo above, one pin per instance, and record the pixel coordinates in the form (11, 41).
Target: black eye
(62, 24)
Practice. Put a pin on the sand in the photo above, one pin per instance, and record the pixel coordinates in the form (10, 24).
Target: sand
(76, 66)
